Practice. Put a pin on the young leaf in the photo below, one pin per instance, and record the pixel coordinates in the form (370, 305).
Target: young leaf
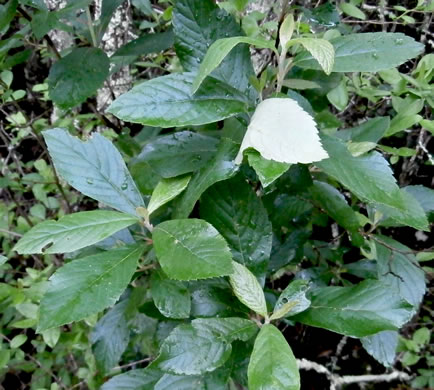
(247, 289)
(179, 153)
(73, 231)
(174, 105)
(320, 49)
(358, 311)
(272, 364)
(190, 249)
(292, 300)
(399, 268)
(95, 168)
(267, 170)
(77, 76)
(88, 285)
(202, 346)
(170, 296)
(286, 30)
(382, 346)
(197, 24)
(166, 190)
(222, 167)
(282, 131)
(110, 337)
(234, 209)
(367, 52)
(219, 50)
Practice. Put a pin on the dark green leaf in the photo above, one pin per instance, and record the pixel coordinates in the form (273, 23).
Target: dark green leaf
(189, 249)
(358, 311)
(170, 296)
(87, 285)
(334, 204)
(400, 268)
(202, 346)
(134, 380)
(216, 380)
(382, 346)
(110, 337)
(95, 168)
(73, 231)
(234, 209)
(272, 364)
(167, 101)
(370, 131)
(199, 23)
(178, 153)
(77, 76)
(108, 7)
(222, 167)
(424, 195)
(7, 13)
(367, 52)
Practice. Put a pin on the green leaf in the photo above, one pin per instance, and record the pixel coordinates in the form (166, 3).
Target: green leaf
(174, 105)
(88, 285)
(73, 231)
(424, 195)
(352, 10)
(197, 24)
(334, 204)
(166, 190)
(320, 49)
(297, 141)
(221, 167)
(358, 311)
(95, 168)
(367, 52)
(219, 50)
(247, 289)
(77, 76)
(370, 131)
(272, 364)
(134, 380)
(400, 268)
(267, 170)
(3, 259)
(286, 30)
(369, 177)
(7, 13)
(216, 380)
(179, 153)
(110, 337)
(292, 300)
(202, 346)
(382, 346)
(338, 96)
(190, 249)
(170, 296)
(233, 208)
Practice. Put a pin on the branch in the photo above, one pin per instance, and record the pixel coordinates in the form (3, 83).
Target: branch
(336, 381)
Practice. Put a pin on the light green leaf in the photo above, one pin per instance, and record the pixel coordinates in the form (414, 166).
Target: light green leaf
(292, 300)
(221, 167)
(367, 52)
(286, 30)
(3, 259)
(170, 297)
(338, 96)
(402, 122)
(320, 49)
(77, 76)
(234, 209)
(352, 10)
(360, 148)
(267, 170)
(219, 50)
(179, 153)
(166, 190)
(247, 289)
(280, 130)
(272, 364)
(382, 346)
(88, 285)
(51, 336)
(400, 268)
(202, 346)
(174, 105)
(190, 249)
(197, 24)
(358, 311)
(73, 231)
(95, 168)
